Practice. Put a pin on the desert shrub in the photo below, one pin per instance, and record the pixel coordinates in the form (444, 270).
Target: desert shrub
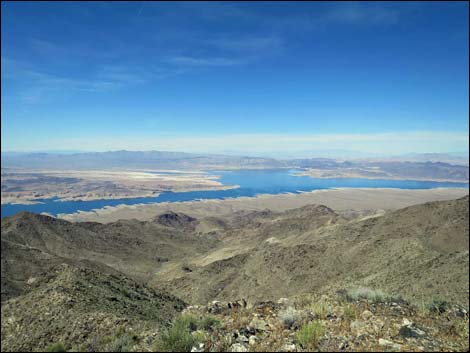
(320, 309)
(373, 295)
(191, 322)
(349, 312)
(309, 335)
(438, 305)
(56, 347)
(200, 336)
(239, 319)
(123, 343)
(208, 322)
(290, 317)
(179, 337)
(106, 339)
(303, 300)
(421, 305)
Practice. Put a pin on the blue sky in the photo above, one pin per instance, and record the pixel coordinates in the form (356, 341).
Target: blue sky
(254, 78)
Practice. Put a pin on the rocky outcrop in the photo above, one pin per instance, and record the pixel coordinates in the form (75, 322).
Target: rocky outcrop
(172, 219)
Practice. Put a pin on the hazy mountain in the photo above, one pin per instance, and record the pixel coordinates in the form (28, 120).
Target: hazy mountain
(133, 159)
(421, 168)
(460, 158)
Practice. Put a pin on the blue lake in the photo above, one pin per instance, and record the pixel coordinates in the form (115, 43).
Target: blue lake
(251, 182)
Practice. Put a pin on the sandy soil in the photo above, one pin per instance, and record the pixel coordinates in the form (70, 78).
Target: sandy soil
(341, 199)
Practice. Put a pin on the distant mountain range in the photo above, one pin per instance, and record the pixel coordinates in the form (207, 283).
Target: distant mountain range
(133, 159)
(414, 166)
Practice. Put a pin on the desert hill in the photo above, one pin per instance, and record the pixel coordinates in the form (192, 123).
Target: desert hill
(32, 243)
(420, 253)
(419, 250)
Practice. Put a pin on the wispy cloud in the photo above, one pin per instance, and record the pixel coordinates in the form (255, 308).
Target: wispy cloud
(248, 45)
(269, 36)
(55, 52)
(204, 61)
(363, 13)
(181, 44)
(141, 8)
(227, 50)
(35, 86)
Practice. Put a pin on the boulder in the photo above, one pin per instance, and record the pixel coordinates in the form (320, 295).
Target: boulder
(389, 344)
(289, 347)
(252, 340)
(238, 347)
(409, 330)
(366, 315)
(358, 327)
(198, 348)
(258, 324)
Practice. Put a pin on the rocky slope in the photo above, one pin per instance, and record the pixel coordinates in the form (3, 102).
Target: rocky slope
(84, 310)
(419, 252)
(32, 243)
(331, 323)
(78, 283)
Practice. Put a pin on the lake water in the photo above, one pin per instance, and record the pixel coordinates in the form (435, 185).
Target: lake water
(251, 182)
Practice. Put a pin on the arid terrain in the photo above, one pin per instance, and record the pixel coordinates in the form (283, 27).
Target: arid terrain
(30, 186)
(386, 169)
(412, 264)
(347, 201)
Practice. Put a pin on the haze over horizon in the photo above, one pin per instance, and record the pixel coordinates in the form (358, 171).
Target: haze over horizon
(263, 79)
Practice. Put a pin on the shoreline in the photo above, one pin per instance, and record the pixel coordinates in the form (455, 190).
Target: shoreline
(339, 199)
(370, 177)
(116, 197)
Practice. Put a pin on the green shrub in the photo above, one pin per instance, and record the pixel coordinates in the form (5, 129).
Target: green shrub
(208, 322)
(56, 347)
(175, 339)
(179, 337)
(349, 312)
(123, 343)
(309, 335)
